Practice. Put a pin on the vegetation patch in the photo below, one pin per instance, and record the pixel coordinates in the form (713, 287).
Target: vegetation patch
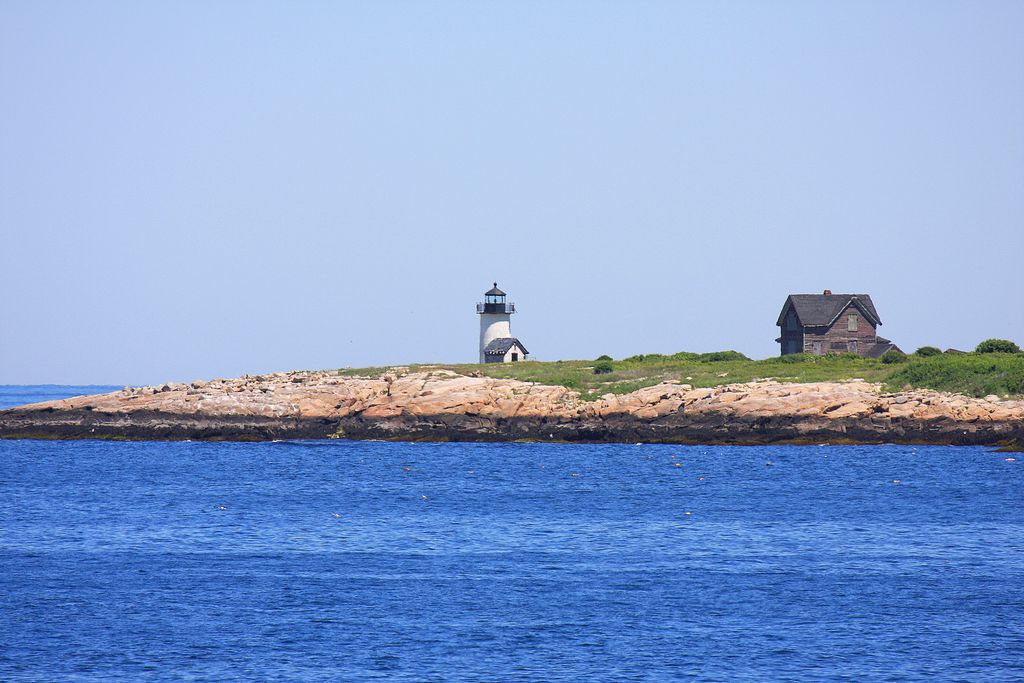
(973, 374)
(997, 346)
(892, 357)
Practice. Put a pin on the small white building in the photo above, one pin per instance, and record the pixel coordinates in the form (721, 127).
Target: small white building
(497, 345)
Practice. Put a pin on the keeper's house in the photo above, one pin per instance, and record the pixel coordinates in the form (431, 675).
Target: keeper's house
(831, 323)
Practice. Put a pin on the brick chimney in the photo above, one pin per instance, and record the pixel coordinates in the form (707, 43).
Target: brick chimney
(827, 292)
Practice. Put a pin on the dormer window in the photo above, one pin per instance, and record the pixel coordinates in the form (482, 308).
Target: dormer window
(851, 322)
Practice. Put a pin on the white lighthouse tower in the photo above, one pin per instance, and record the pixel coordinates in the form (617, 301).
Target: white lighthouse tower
(497, 345)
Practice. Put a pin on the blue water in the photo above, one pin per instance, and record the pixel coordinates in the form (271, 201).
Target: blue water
(362, 561)
(12, 395)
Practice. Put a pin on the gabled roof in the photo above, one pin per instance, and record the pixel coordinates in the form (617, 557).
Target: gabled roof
(501, 346)
(880, 346)
(819, 310)
(494, 291)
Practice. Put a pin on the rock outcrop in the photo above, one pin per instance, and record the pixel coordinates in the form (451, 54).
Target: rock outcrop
(441, 405)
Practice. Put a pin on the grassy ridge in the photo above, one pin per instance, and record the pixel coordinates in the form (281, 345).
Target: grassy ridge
(971, 374)
(974, 374)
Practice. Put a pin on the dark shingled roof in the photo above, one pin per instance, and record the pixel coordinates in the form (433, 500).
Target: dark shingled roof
(815, 310)
(880, 346)
(501, 345)
(494, 291)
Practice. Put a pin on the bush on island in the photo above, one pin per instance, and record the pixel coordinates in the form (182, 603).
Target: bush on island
(797, 358)
(713, 357)
(970, 373)
(645, 358)
(926, 351)
(997, 346)
(604, 356)
(603, 367)
(719, 356)
(892, 356)
(845, 355)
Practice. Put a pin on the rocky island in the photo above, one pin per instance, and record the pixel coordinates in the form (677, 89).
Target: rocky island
(441, 405)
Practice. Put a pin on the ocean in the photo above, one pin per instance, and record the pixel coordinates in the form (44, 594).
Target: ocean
(364, 561)
(12, 395)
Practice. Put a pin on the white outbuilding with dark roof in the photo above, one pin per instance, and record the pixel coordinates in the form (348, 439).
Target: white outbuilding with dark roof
(497, 345)
(504, 350)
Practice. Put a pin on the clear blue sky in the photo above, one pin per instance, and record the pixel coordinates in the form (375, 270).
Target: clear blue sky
(202, 189)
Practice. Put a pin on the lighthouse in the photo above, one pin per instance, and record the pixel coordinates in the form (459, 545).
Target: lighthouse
(497, 345)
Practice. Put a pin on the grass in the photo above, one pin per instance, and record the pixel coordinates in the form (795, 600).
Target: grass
(630, 375)
(971, 374)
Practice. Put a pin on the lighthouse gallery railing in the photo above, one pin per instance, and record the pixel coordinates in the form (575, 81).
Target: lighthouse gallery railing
(495, 308)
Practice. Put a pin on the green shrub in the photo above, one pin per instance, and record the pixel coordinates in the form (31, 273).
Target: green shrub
(660, 357)
(997, 346)
(845, 355)
(971, 374)
(892, 356)
(926, 351)
(796, 358)
(719, 356)
(604, 356)
(603, 367)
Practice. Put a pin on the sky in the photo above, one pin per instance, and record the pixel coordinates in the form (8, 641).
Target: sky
(191, 190)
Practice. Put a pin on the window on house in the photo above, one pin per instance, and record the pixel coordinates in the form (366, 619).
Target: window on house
(817, 348)
(791, 321)
(851, 323)
(515, 357)
(851, 346)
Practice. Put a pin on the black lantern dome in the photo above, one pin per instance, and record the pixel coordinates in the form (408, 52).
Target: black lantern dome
(494, 295)
(494, 302)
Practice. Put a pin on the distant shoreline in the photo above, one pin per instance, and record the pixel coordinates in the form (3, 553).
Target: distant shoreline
(444, 406)
(15, 395)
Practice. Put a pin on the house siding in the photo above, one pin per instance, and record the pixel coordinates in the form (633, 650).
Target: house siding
(792, 338)
(835, 338)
